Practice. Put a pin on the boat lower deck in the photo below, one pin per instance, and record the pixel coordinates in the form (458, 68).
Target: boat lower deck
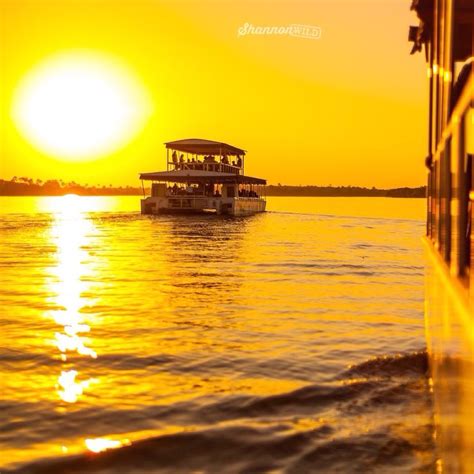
(237, 206)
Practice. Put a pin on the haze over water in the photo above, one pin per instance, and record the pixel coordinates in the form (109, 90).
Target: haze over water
(290, 341)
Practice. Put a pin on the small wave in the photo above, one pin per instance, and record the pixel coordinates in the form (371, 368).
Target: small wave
(381, 220)
(243, 449)
(415, 363)
(250, 433)
(367, 453)
(246, 449)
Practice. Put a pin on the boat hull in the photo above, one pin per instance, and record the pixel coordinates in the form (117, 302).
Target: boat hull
(202, 205)
(450, 341)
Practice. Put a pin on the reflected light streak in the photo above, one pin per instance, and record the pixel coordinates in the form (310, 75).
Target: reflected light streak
(70, 233)
(71, 389)
(98, 445)
(73, 343)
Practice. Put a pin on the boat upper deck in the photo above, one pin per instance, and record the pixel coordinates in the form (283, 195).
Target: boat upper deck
(204, 155)
(199, 161)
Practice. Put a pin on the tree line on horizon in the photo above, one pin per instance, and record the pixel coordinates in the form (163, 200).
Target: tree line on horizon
(349, 191)
(24, 186)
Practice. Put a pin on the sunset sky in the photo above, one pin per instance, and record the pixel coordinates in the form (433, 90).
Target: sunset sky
(348, 108)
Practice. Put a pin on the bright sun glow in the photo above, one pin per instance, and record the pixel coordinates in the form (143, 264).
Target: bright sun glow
(80, 106)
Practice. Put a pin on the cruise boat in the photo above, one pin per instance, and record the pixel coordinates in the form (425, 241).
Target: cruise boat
(445, 34)
(203, 176)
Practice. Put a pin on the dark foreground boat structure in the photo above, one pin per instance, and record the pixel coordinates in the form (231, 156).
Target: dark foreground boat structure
(203, 176)
(445, 33)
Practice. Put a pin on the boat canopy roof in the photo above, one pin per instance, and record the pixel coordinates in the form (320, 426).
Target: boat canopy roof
(199, 146)
(199, 176)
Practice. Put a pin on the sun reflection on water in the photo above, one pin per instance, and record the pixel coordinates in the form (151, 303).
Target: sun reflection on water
(99, 445)
(70, 232)
(71, 390)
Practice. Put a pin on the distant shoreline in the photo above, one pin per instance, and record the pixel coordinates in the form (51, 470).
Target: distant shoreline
(29, 187)
(344, 191)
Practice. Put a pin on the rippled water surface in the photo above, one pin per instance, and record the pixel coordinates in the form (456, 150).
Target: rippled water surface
(290, 341)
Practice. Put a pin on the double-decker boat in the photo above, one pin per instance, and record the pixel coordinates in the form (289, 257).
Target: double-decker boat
(446, 33)
(203, 176)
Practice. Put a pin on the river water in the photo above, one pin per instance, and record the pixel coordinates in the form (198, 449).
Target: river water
(290, 341)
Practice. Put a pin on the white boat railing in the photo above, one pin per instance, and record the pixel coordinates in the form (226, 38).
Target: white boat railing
(202, 202)
(205, 166)
(189, 202)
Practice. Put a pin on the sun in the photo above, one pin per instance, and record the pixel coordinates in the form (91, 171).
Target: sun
(80, 105)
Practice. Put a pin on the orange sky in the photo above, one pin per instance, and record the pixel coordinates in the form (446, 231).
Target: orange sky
(349, 108)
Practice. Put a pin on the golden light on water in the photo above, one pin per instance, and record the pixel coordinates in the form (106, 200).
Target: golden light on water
(135, 329)
(78, 106)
